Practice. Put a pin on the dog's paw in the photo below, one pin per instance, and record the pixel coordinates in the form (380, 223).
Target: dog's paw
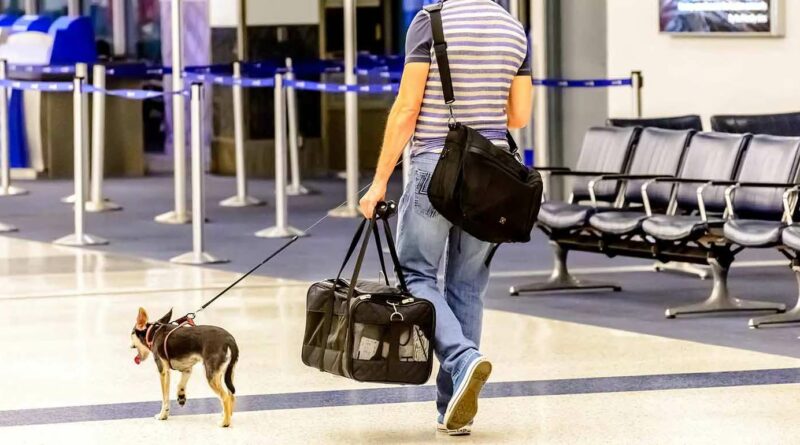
(225, 423)
(181, 399)
(163, 415)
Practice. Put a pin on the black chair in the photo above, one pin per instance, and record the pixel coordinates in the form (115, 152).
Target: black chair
(606, 150)
(702, 229)
(691, 122)
(658, 154)
(785, 124)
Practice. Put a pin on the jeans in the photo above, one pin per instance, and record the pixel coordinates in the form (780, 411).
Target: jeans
(424, 236)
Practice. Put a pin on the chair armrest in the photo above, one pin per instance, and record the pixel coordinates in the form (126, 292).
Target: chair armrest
(685, 181)
(580, 173)
(617, 177)
(552, 169)
(788, 206)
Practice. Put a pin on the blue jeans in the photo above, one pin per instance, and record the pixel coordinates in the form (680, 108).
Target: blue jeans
(423, 237)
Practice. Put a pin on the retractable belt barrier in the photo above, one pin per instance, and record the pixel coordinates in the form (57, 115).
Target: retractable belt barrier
(237, 76)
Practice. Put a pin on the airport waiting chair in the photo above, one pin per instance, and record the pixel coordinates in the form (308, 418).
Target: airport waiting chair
(759, 210)
(784, 124)
(690, 122)
(659, 154)
(605, 150)
(699, 235)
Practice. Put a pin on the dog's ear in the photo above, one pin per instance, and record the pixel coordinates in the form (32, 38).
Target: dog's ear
(166, 318)
(141, 319)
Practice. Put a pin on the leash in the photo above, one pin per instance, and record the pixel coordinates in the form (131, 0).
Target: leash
(189, 318)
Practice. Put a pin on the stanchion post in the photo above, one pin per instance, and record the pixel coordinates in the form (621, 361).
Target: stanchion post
(282, 229)
(637, 83)
(295, 188)
(351, 114)
(97, 203)
(5, 156)
(241, 199)
(179, 215)
(198, 255)
(80, 110)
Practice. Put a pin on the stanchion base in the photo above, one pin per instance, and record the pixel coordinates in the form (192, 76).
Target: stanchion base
(193, 259)
(173, 218)
(300, 190)
(13, 191)
(280, 232)
(103, 206)
(236, 201)
(7, 228)
(344, 212)
(77, 241)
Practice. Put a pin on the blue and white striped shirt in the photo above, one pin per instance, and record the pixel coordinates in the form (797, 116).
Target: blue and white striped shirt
(487, 48)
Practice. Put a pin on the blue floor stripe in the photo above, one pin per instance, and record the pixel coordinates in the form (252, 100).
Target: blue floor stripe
(390, 395)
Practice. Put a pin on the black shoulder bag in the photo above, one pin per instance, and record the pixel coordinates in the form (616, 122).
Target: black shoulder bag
(476, 185)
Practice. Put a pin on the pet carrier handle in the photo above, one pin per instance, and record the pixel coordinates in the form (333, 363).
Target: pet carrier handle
(398, 270)
(360, 260)
(384, 211)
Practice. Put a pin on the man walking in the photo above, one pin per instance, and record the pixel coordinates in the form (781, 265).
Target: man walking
(491, 73)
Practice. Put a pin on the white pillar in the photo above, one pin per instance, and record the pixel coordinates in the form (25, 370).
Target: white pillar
(281, 229)
(80, 110)
(241, 199)
(5, 160)
(74, 8)
(539, 65)
(119, 27)
(97, 202)
(198, 255)
(350, 114)
(179, 215)
(31, 7)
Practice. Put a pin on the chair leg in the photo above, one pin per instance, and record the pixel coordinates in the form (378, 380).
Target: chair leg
(721, 300)
(790, 317)
(682, 268)
(561, 279)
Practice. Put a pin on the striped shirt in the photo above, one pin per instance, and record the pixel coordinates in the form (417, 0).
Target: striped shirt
(487, 48)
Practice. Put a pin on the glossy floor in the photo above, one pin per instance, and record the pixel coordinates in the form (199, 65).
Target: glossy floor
(68, 374)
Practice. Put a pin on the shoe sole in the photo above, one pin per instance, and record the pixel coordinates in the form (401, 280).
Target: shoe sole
(455, 433)
(465, 407)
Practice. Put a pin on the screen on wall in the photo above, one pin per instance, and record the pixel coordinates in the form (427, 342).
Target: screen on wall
(731, 17)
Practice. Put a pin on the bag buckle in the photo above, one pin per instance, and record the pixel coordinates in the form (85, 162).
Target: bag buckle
(396, 315)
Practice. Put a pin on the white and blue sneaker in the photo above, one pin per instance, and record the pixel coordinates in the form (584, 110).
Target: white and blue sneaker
(465, 430)
(467, 388)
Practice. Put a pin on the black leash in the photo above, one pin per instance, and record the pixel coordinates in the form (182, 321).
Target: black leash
(192, 315)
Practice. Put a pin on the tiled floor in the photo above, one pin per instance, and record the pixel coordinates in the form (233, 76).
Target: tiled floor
(66, 315)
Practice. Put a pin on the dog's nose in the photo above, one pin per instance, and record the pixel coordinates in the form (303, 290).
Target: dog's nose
(133, 346)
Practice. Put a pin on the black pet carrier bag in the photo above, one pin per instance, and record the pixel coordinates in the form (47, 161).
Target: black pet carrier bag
(368, 331)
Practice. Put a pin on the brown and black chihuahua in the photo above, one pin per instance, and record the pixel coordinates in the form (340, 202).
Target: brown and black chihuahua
(180, 347)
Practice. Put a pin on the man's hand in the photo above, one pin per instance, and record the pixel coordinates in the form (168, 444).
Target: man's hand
(375, 194)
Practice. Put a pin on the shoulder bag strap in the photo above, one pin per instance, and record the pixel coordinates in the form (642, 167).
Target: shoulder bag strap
(440, 48)
(512, 144)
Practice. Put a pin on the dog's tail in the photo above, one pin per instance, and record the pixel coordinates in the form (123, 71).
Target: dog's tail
(233, 350)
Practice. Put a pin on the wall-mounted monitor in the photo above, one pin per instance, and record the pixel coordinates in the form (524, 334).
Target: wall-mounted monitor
(722, 17)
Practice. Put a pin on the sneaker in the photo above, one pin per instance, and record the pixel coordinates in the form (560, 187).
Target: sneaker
(467, 387)
(465, 430)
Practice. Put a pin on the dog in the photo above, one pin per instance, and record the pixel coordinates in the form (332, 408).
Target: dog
(180, 347)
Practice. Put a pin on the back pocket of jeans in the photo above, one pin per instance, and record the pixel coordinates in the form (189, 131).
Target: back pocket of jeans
(422, 205)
